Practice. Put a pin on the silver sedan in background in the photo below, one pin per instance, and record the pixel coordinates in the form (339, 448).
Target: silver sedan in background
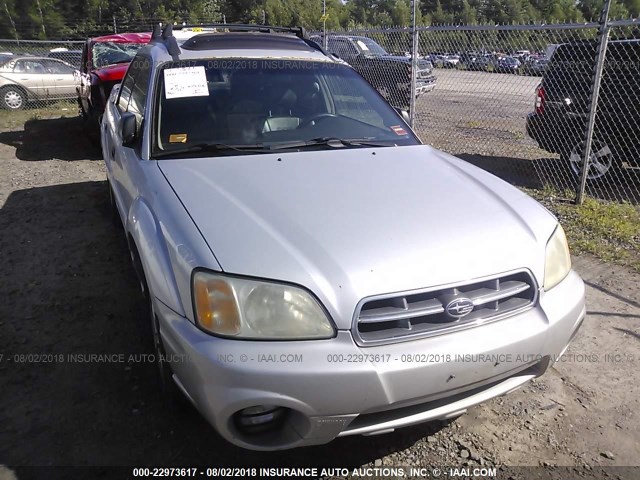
(24, 79)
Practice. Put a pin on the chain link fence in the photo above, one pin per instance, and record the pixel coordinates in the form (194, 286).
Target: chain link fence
(515, 100)
(39, 74)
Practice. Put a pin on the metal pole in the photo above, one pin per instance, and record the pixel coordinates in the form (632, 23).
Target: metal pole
(325, 41)
(414, 64)
(115, 25)
(603, 38)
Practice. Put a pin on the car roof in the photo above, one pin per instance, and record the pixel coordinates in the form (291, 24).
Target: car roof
(245, 40)
(242, 44)
(32, 57)
(124, 38)
(5, 59)
(65, 52)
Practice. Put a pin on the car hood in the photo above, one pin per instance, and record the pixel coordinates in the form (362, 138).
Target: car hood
(111, 73)
(351, 223)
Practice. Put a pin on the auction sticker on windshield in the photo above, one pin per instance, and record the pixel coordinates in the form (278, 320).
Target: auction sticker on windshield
(185, 82)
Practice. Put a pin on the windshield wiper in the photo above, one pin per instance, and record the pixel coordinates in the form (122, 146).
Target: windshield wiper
(211, 147)
(271, 147)
(331, 142)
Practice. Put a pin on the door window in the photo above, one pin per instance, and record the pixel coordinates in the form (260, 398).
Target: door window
(29, 66)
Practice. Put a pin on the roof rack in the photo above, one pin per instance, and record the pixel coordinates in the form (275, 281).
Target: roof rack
(299, 32)
(164, 36)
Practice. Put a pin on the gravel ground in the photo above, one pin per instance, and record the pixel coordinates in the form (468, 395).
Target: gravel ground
(67, 287)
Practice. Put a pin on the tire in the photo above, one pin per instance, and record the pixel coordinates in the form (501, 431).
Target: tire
(150, 326)
(602, 161)
(92, 128)
(13, 98)
(165, 374)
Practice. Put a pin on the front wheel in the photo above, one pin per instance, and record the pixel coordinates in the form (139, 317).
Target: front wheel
(171, 392)
(13, 98)
(601, 160)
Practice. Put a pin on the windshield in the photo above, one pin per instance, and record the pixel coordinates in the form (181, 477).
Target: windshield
(370, 46)
(111, 53)
(262, 105)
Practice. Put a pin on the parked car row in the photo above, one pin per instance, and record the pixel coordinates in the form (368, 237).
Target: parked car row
(444, 60)
(90, 74)
(58, 75)
(63, 74)
(522, 63)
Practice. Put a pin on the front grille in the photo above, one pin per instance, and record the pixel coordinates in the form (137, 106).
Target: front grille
(405, 316)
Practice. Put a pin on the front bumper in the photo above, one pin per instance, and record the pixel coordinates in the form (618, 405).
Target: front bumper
(425, 87)
(336, 388)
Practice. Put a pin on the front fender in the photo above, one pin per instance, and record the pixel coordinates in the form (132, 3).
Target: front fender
(146, 233)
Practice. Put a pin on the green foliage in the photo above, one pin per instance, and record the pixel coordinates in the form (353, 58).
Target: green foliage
(56, 19)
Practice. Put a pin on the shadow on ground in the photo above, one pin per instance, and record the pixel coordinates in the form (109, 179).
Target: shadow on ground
(70, 290)
(63, 138)
(622, 185)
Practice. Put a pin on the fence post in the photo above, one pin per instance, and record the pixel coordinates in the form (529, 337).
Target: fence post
(414, 64)
(603, 39)
(324, 25)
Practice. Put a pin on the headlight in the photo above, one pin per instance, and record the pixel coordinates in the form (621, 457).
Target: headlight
(242, 308)
(557, 261)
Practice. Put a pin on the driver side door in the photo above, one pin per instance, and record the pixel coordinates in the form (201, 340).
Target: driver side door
(123, 162)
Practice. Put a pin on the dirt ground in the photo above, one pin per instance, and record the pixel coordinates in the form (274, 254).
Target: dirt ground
(66, 287)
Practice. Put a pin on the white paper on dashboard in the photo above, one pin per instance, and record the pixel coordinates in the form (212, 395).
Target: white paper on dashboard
(185, 82)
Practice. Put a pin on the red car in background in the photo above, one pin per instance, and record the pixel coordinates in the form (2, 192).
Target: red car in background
(104, 62)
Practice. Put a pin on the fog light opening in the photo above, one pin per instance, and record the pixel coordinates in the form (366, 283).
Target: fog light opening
(260, 419)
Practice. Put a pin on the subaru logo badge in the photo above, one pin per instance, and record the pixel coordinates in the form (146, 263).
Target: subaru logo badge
(459, 307)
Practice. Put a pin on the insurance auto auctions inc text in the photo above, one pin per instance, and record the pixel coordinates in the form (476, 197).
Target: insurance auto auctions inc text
(379, 472)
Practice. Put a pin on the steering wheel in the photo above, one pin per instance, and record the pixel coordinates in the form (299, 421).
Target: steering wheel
(309, 120)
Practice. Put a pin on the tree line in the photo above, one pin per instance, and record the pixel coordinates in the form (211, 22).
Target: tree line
(69, 19)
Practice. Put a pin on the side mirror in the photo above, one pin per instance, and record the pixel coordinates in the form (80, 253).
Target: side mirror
(128, 127)
(404, 114)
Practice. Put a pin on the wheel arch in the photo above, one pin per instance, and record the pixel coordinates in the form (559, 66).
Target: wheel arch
(150, 255)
